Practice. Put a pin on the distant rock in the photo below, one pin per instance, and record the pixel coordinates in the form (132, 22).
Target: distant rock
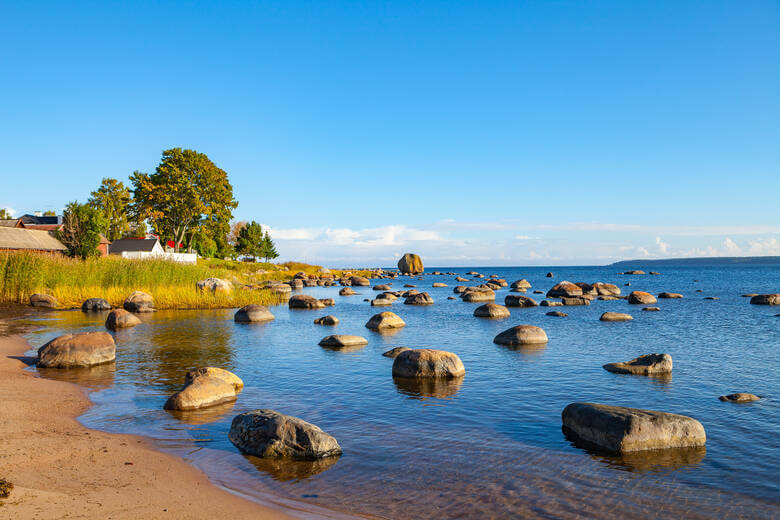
(461, 279)
(606, 289)
(618, 429)
(548, 303)
(95, 305)
(393, 352)
(409, 285)
(641, 298)
(491, 310)
(327, 320)
(424, 363)
(214, 285)
(636, 271)
(253, 314)
(410, 264)
(575, 300)
(460, 289)
(439, 284)
(419, 299)
(557, 313)
(385, 320)
(739, 397)
(44, 301)
(359, 281)
(517, 300)
(609, 298)
(521, 335)
(305, 301)
(382, 287)
(84, 349)
(270, 434)
(647, 365)
(521, 284)
(327, 302)
(616, 316)
(483, 295)
(564, 288)
(346, 291)
(139, 302)
(549, 275)
(651, 309)
(669, 295)
(121, 319)
(381, 302)
(342, 340)
(765, 299)
(711, 298)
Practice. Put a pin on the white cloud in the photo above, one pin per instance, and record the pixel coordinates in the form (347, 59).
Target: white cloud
(663, 247)
(525, 237)
(731, 247)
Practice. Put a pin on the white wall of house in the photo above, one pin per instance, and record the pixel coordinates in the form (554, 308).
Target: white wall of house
(185, 258)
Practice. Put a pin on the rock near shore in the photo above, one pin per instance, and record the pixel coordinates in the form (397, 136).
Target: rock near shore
(121, 319)
(521, 335)
(647, 365)
(139, 302)
(44, 301)
(424, 363)
(85, 349)
(95, 305)
(253, 313)
(765, 299)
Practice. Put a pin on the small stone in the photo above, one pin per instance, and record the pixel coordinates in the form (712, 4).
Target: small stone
(615, 316)
(342, 340)
(649, 364)
(557, 313)
(327, 320)
(739, 397)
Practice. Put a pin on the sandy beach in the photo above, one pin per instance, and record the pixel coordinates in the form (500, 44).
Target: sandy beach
(60, 469)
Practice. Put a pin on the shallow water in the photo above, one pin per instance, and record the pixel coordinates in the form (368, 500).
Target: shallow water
(487, 446)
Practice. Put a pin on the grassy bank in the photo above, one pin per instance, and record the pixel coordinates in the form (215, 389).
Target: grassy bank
(171, 284)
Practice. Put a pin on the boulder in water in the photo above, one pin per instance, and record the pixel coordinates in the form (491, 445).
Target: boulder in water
(765, 299)
(606, 289)
(95, 305)
(564, 288)
(270, 434)
(521, 335)
(517, 300)
(84, 349)
(410, 264)
(327, 320)
(139, 301)
(647, 365)
(423, 363)
(337, 341)
(491, 310)
(740, 397)
(669, 295)
(121, 319)
(252, 314)
(616, 316)
(347, 291)
(385, 320)
(305, 301)
(393, 352)
(558, 314)
(641, 298)
(419, 299)
(619, 429)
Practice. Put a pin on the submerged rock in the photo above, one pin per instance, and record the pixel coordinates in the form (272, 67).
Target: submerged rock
(616, 316)
(740, 397)
(420, 363)
(618, 429)
(84, 349)
(270, 434)
(548, 303)
(385, 320)
(641, 298)
(491, 310)
(327, 302)
(669, 295)
(139, 302)
(342, 340)
(95, 305)
(549, 275)
(327, 320)
(647, 365)
(253, 314)
(305, 301)
(517, 300)
(521, 335)
(559, 314)
(43, 300)
(651, 309)
(121, 319)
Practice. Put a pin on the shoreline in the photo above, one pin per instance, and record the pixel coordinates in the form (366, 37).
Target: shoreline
(61, 468)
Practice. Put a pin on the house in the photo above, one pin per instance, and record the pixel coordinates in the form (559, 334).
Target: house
(147, 248)
(38, 221)
(103, 245)
(21, 239)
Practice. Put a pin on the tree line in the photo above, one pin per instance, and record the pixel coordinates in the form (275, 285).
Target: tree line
(187, 200)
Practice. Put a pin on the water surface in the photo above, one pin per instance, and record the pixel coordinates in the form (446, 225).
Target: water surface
(491, 444)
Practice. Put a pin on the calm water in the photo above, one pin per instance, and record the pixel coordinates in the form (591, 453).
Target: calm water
(490, 445)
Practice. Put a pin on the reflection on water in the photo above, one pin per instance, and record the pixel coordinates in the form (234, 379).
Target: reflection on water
(491, 445)
(529, 351)
(439, 388)
(97, 377)
(290, 469)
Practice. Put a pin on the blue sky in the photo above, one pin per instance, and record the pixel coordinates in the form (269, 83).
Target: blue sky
(507, 133)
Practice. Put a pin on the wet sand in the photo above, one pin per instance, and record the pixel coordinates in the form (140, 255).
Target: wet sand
(60, 469)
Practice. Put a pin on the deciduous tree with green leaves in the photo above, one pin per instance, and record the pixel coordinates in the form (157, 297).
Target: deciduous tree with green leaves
(5, 214)
(113, 199)
(250, 240)
(185, 192)
(81, 228)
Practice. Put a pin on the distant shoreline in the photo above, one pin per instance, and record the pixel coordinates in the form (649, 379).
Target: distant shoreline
(717, 260)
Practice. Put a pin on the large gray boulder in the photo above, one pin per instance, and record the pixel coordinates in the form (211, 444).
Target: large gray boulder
(521, 335)
(139, 302)
(45, 301)
(270, 434)
(518, 300)
(424, 363)
(121, 319)
(253, 314)
(647, 365)
(491, 310)
(305, 301)
(618, 429)
(95, 305)
(385, 320)
(84, 349)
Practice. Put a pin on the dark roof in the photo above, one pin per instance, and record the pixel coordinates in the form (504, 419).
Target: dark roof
(33, 239)
(32, 219)
(132, 244)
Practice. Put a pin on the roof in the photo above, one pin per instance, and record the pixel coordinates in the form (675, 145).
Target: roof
(33, 219)
(103, 239)
(9, 222)
(30, 239)
(44, 227)
(133, 244)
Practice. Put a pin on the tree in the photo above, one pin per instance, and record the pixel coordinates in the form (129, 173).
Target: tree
(250, 240)
(186, 193)
(49, 213)
(81, 228)
(269, 249)
(5, 214)
(113, 199)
